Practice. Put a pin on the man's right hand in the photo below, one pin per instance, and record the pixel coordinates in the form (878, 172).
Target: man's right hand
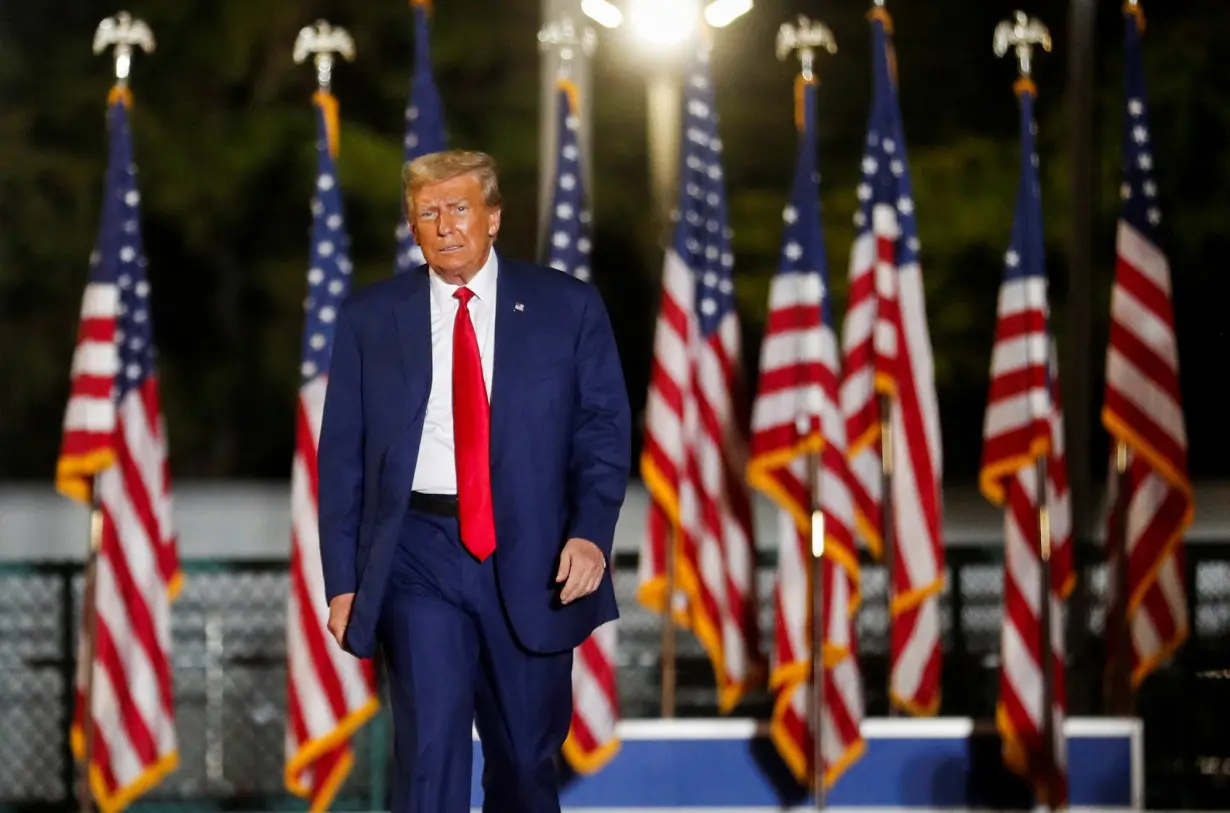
(339, 615)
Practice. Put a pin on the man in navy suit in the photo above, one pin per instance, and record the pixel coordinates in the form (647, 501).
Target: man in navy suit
(474, 454)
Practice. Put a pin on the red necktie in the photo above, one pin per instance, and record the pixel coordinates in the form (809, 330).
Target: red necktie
(471, 435)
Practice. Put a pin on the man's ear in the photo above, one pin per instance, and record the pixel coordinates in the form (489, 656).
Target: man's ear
(493, 223)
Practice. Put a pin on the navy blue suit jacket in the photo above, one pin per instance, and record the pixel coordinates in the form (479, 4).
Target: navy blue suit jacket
(560, 445)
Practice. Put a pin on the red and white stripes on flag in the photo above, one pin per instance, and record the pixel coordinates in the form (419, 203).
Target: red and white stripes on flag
(114, 456)
(1018, 714)
(329, 692)
(797, 419)
(592, 737)
(1143, 409)
(887, 348)
(695, 452)
(1023, 431)
(691, 468)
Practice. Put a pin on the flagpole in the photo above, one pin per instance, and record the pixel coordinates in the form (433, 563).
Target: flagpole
(817, 631)
(1117, 680)
(664, 121)
(1021, 35)
(121, 32)
(888, 543)
(887, 536)
(1046, 650)
(664, 117)
(668, 630)
(806, 37)
(85, 797)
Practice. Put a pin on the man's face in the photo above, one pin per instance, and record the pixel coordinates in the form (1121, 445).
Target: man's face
(454, 226)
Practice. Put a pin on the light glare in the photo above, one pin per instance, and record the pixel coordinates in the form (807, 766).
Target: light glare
(602, 12)
(817, 534)
(664, 22)
(721, 13)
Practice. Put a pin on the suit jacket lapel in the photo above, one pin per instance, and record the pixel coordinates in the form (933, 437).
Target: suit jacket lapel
(412, 313)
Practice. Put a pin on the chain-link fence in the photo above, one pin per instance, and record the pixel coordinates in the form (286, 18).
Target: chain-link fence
(230, 679)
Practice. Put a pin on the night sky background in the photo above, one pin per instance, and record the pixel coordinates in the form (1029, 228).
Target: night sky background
(224, 135)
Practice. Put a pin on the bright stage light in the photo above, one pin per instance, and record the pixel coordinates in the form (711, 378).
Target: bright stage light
(663, 22)
(602, 12)
(721, 13)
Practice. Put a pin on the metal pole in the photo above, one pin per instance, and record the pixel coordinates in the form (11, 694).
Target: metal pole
(663, 119)
(85, 796)
(888, 529)
(1078, 387)
(1117, 678)
(669, 677)
(663, 123)
(1045, 648)
(817, 631)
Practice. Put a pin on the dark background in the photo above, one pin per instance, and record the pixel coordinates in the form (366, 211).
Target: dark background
(224, 137)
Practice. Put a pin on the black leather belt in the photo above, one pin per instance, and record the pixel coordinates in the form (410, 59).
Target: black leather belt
(444, 505)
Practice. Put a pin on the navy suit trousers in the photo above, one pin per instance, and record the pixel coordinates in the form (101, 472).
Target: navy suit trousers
(453, 661)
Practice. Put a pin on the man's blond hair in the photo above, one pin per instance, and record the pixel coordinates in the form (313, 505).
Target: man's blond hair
(444, 166)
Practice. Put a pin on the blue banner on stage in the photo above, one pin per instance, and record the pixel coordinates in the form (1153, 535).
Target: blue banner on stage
(910, 763)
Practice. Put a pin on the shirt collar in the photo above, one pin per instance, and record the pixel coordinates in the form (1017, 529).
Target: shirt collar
(482, 284)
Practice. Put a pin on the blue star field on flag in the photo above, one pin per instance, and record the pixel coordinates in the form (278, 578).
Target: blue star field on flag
(120, 257)
(1026, 253)
(1139, 191)
(702, 236)
(424, 126)
(886, 172)
(803, 249)
(568, 233)
(330, 268)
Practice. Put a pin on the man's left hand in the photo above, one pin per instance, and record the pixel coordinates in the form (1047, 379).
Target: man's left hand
(582, 564)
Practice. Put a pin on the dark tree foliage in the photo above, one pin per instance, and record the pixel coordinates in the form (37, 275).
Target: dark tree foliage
(224, 138)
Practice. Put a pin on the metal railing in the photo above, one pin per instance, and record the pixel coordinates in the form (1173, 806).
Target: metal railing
(230, 680)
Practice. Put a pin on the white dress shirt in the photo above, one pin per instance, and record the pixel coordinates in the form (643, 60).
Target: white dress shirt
(436, 471)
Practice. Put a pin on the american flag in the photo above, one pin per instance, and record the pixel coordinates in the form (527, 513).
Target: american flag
(797, 416)
(424, 124)
(592, 739)
(695, 447)
(887, 347)
(330, 694)
(1143, 409)
(569, 232)
(1024, 428)
(114, 456)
